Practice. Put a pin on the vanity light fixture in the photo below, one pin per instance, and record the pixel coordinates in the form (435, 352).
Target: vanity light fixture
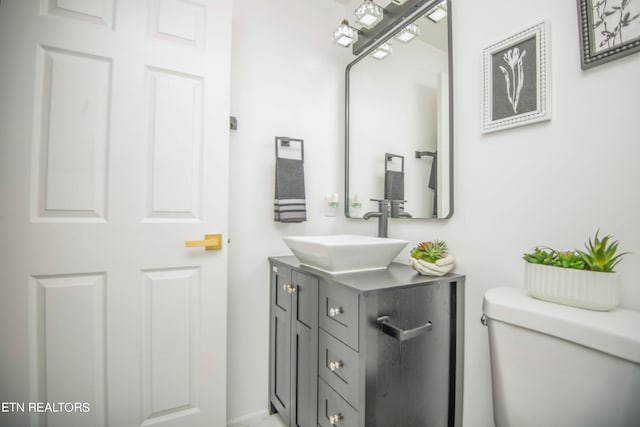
(438, 13)
(382, 51)
(408, 33)
(373, 23)
(368, 14)
(345, 35)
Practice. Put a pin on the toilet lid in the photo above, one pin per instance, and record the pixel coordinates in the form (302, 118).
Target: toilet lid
(616, 332)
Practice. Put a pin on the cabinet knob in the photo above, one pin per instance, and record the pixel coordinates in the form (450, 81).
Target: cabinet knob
(289, 288)
(335, 311)
(333, 419)
(334, 366)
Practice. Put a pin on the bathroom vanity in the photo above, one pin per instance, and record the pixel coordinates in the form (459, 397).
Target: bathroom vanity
(377, 349)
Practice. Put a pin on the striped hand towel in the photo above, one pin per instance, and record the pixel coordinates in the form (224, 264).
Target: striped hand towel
(290, 204)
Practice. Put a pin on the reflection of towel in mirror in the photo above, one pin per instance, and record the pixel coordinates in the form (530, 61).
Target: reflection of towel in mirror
(289, 204)
(394, 185)
(433, 176)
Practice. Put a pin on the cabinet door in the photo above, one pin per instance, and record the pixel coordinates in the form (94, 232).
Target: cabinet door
(304, 351)
(280, 341)
(413, 381)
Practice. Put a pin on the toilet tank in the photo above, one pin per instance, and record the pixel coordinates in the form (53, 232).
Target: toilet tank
(555, 365)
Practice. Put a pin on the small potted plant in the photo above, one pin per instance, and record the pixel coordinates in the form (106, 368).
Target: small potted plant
(584, 279)
(431, 258)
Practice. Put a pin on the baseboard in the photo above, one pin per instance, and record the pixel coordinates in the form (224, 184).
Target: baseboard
(249, 417)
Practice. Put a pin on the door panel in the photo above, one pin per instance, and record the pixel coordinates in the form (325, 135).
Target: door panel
(98, 12)
(306, 378)
(282, 280)
(175, 142)
(169, 368)
(304, 350)
(306, 298)
(186, 25)
(69, 345)
(281, 375)
(71, 148)
(106, 169)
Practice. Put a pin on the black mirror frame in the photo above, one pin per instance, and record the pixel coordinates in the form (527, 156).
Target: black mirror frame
(413, 16)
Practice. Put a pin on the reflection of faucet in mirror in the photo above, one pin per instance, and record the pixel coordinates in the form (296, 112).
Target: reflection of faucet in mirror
(397, 209)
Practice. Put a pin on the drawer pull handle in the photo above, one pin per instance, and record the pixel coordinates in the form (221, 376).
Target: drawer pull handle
(399, 333)
(335, 311)
(289, 288)
(333, 419)
(334, 366)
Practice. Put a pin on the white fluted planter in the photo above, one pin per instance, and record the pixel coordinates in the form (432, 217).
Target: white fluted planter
(578, 288)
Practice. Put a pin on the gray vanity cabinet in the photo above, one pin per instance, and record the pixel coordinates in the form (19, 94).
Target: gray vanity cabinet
(388, 347)
(293, 345)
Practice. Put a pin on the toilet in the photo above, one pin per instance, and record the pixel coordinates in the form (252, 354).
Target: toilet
(560, 366)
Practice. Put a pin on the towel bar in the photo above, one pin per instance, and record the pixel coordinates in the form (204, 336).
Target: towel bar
(421, 154)
(402, 334)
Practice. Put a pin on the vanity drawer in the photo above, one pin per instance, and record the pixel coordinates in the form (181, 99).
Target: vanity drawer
(339, 366)
(339, 308)
(333, 410)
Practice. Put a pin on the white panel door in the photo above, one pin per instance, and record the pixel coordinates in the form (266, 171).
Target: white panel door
(114, 120)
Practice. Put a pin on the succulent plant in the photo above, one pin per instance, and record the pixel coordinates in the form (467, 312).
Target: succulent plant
(548, 256)
(430, 251)
(569, 259)
(540, 256)
(600, 254)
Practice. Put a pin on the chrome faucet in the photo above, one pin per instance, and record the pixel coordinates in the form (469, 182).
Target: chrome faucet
(382, 215)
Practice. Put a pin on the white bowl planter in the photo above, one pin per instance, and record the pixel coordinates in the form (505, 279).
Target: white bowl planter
(578, 288)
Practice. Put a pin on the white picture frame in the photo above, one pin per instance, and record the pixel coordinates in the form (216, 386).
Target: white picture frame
(516, 79)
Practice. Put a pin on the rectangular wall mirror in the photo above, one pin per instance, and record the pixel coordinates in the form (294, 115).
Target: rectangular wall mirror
(399, 119)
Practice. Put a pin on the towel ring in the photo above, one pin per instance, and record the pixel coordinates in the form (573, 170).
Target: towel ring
(285, 141)
(389, 157)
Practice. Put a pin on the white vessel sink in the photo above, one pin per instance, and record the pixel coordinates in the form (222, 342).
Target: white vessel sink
(345, 253)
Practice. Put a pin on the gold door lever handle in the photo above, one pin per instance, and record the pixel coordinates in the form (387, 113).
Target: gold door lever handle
(210, 242)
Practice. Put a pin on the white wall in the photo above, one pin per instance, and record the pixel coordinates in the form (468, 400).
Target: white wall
(287, 80)
(552, 183)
